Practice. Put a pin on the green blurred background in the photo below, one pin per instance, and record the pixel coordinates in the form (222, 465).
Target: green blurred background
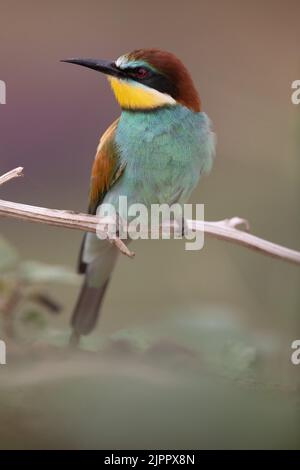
(193, 333)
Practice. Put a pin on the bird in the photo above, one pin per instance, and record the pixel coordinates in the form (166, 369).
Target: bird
(153, 153)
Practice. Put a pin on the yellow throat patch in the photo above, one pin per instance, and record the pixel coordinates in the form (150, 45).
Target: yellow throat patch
(136, 96)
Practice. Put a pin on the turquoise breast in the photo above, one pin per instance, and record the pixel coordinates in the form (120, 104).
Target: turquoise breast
(165, 151)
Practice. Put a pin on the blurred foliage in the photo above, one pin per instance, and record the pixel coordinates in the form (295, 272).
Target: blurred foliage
(194, 379)
(183, 383)
(23, 283)
(36, 272)
(8, 255)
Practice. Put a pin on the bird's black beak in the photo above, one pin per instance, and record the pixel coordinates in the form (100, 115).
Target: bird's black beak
(105, 66)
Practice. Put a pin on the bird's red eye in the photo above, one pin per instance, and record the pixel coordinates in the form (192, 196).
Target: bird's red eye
(141, 72)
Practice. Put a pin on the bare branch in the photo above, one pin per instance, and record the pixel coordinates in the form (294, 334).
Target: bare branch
(223, 230)
(121, 246)
(50, 216)
(11, 174)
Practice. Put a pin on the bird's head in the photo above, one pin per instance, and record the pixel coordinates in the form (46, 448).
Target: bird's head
(147, 79)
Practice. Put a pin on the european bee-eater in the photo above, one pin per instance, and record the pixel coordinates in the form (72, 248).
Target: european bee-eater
(154, 153)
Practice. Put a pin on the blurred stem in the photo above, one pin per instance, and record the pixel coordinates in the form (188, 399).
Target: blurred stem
(45, 301)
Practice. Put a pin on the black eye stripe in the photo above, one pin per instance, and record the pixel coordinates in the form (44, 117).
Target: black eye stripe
(133, 70)
(153, 79)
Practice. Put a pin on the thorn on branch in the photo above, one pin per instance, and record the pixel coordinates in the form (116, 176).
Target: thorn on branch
(237, 223)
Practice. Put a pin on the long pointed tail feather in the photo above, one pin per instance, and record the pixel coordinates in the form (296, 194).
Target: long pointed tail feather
(87, 309)
(98, 267)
